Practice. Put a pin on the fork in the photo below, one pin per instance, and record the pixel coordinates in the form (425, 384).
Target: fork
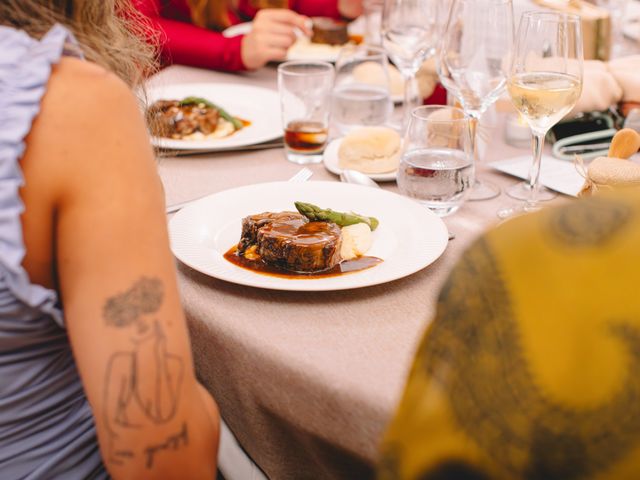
(302, 176)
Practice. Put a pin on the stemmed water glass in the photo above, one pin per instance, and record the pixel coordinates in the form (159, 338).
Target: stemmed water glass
(474, 60)
(410, 35)
(545, 82)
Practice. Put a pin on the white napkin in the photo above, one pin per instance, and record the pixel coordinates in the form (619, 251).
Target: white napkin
(626, 71)
(600, 89)
(558, 175)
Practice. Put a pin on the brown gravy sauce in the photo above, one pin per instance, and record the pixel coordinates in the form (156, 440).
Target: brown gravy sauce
(245, 124)
(258, 266)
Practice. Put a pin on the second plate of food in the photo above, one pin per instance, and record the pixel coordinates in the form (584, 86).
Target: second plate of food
(213, 116)
(406, 237)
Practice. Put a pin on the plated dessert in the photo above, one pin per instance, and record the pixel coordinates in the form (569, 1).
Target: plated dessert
(192, 118)
(309, 243)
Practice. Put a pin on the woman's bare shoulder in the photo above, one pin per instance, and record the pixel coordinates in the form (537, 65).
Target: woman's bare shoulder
(88, 115)
(75, 79)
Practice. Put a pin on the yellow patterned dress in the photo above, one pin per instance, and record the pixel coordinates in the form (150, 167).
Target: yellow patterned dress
(531, 368)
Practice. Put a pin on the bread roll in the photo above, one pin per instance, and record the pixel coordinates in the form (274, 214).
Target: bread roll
(372, 73)
(370, 150)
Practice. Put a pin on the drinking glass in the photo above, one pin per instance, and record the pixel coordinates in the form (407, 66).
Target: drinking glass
(305, 100)
(410, 35)
(361, 94)
(617, 11)
(545, 82)
(436, 167)
(474, 60)
(373, 21)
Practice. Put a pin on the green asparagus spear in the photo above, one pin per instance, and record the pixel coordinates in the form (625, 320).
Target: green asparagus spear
(237, 124)
(317, 214)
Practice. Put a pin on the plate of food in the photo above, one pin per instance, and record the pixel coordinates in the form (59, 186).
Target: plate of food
(212, 116)
(329, 36)
(374, 151)
(306, 236)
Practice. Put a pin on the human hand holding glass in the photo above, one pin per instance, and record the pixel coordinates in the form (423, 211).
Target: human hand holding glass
(545, 82)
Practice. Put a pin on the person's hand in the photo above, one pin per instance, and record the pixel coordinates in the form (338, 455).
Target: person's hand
(350, 8)
(272, 34)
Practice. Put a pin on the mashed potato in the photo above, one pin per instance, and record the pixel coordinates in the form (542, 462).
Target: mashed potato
(224, 129)
(356, 241)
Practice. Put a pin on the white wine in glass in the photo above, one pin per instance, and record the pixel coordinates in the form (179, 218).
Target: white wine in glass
(544, 98)
(545, 82)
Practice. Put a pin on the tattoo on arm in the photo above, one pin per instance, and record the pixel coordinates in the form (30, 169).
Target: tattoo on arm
(126, 404)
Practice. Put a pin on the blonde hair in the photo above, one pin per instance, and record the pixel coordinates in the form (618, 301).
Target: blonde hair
(110, 32)
(211, 14)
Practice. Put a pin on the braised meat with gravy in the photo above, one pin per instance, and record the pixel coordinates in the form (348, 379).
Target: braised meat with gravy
(290, 241)
(173, 119)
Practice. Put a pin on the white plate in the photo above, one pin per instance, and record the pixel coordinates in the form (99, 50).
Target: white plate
(331, 163)
(304, 49)
(409, 237)
(260, 106)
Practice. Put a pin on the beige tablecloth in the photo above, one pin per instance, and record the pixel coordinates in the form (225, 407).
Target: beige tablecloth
(307, 381)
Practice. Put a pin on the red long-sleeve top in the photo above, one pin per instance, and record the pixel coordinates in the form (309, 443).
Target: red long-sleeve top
(187, 44)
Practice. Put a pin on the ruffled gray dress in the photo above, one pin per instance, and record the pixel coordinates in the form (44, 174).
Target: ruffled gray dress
(46, 424)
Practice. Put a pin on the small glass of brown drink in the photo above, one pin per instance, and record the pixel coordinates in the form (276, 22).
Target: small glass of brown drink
(305, 99)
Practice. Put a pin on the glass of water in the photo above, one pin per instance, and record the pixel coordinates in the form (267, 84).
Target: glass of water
(437, 168)
(361, 95)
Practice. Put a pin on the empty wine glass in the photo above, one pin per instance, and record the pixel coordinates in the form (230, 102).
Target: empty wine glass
(617, 12)
(410, 35)
(545, 82)
(474, 60)
(372, 11)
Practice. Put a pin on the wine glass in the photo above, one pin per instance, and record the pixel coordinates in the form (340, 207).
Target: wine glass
(617, 12)
(410, 35)
(474, 60)
(545, 82)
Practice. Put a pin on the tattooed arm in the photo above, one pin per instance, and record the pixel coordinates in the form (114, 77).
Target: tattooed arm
(117, 279)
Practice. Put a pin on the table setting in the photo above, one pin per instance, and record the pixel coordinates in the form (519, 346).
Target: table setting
(308, 367)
